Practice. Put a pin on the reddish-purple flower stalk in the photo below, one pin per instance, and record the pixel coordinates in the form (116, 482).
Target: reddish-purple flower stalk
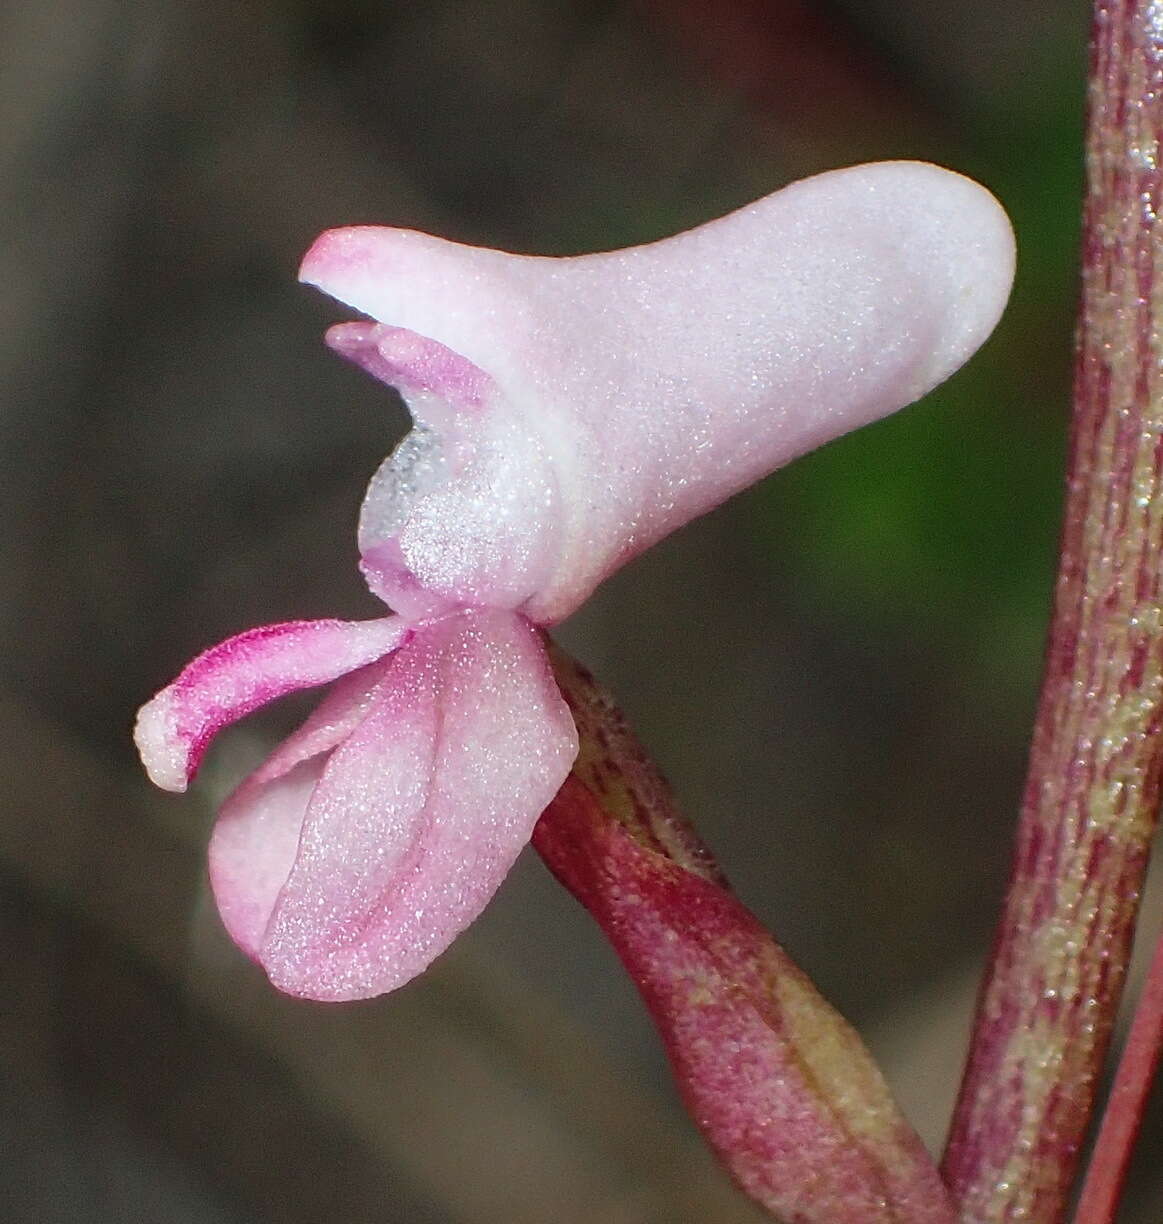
(1111, 1158)
(1093, 789)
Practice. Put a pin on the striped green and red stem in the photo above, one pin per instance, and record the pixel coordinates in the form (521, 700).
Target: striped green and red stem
(1092, 792)
(1107, 1171)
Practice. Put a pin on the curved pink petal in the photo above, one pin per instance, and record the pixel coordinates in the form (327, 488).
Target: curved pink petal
(479, 474)
(244, 672)
(347, 879)
(625, 393)
(344, 706)
(256, 836)
(253, 849)
(414, 364)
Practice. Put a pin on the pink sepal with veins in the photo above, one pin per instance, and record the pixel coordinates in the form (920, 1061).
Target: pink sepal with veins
(382, 829)
(372, 836)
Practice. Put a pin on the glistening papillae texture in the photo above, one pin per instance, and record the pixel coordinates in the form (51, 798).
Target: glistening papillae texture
(1092, 792)
(568, 413)
(780, 1086)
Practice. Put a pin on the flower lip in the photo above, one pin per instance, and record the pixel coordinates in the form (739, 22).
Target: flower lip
(352, 857)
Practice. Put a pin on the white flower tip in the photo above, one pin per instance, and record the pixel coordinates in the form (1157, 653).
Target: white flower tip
(162, 752)
(961, 238)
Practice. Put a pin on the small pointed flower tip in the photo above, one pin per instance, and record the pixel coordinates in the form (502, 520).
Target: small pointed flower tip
(571, 412)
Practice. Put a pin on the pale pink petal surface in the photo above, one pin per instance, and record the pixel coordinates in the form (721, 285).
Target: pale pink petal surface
(237, 676)
(345, 879)
(256, 837)
(253, 849)
(621, 394)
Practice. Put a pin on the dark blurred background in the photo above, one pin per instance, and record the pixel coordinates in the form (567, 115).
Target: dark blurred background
(837, 670)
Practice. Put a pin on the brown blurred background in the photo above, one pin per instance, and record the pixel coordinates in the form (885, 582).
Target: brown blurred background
(837, 670)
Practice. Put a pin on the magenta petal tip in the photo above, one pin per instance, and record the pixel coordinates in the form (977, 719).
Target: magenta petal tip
(243, 673)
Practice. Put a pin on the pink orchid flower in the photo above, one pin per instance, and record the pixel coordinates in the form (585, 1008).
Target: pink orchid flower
(568, 413)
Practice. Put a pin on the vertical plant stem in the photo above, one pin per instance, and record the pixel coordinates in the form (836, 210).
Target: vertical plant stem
(1124, 1109)
(1092, 792)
